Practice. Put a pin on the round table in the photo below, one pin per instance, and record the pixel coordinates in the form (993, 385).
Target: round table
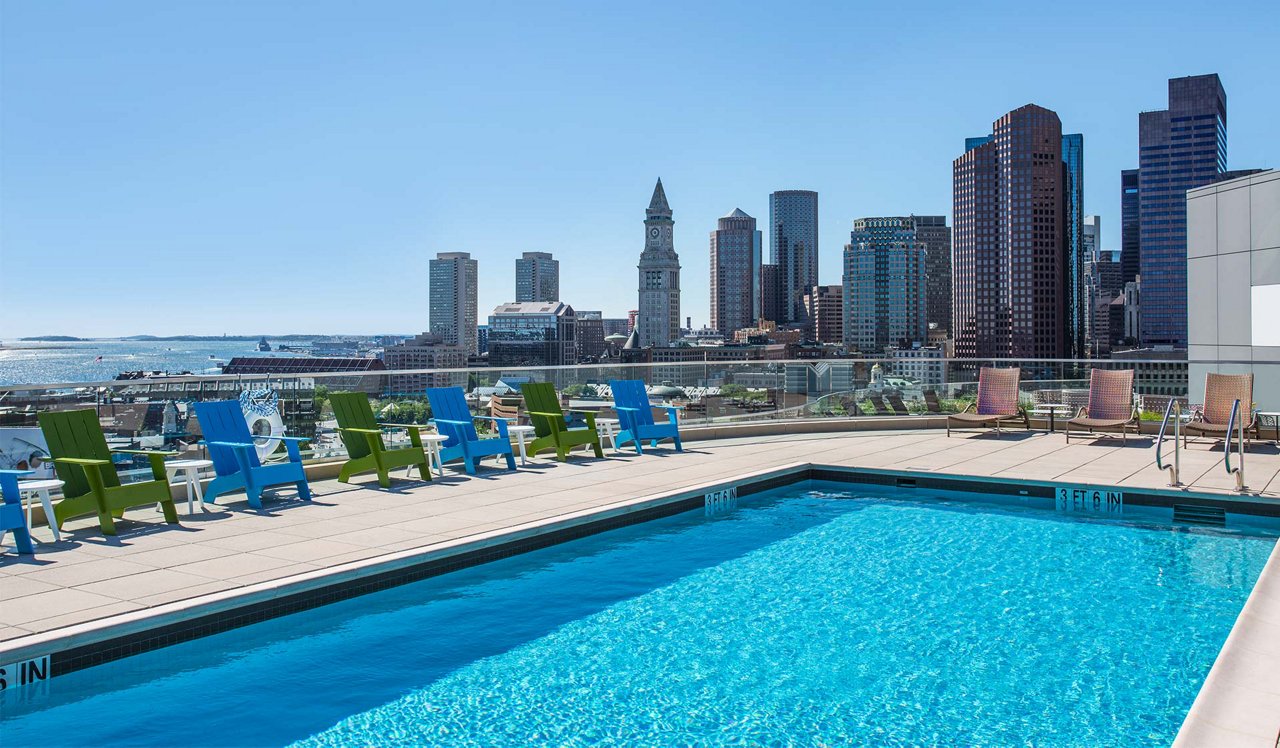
(41, 488)
(521, 433)
(1051, 410)
(190, 472)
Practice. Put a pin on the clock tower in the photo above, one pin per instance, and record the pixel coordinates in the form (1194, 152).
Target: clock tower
(659, 318)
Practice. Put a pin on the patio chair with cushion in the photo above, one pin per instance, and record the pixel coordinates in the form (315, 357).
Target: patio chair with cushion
(1110, 405)
(1220, 393)
(997, 401)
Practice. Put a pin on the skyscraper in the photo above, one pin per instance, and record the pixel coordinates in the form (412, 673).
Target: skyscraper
(935, 234)
(658, 318)
(1179, 148)
(735, 273)
(452, 299)
(1009, 239)
(793, 247)
(537, 277)
(1129, 225)
(1074, 258)
(885, 296)
(825, 306)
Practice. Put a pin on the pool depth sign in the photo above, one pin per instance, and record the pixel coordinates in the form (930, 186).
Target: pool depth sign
(18, 674)
(1092, 500)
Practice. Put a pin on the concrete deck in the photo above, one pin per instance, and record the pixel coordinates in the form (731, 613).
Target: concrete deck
(90, 578)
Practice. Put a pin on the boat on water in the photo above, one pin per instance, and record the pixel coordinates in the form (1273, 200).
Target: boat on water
(263, 345)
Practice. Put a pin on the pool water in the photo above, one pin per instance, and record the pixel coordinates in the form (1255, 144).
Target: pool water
(818, 614)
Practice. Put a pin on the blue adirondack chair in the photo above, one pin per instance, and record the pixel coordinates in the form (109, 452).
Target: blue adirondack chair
(455, 422)
(11, 518)
(635, 416)
(235, 459)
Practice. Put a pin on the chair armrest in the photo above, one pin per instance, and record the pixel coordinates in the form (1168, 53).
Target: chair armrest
(403, 425)
(233, 445)
(288, 438)
(147, 452)
(673, 412)
(92, 471)
(451, 423)
(359, 431)
(546, 415)
(493, 418)
(628, 409)
(16, 472)
(85, 461)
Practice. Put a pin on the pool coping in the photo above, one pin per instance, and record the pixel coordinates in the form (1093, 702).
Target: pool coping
(1217, 714)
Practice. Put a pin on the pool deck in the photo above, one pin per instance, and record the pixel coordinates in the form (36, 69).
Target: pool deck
(89, 582)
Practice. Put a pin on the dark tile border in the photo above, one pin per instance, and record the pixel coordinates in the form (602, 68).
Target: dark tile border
(201, 625)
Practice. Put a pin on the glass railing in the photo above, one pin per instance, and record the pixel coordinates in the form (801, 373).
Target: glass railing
(157, 413)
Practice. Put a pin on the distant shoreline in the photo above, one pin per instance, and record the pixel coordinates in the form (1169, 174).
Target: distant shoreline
(197, 338)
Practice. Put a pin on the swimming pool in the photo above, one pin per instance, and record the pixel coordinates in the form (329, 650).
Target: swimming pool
(818, 613)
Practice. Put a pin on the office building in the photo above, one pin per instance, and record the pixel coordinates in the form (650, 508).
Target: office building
(934, 233)
(482, 339)
(793, 247)
(1009, 240)
(1129, 226)
(770, 293)
(452, 299)
(1179, 148)
(590, 335)
(885, 301)
(1075, 303)
(537, 277)
(1233, 282)
(824, 305)
(533, 333)
(616, 326)
(735, 273)
(658, 318)
(425, 351)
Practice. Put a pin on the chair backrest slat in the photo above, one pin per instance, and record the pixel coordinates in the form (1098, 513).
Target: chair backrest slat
(540, 397)
(998, 391)
(223, 421)
(630, 393)
(450, 403)
(76, 433)
(1111, 393)
(1220, 393)
(352, 411)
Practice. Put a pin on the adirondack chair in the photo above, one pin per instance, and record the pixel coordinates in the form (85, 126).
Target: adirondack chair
(235, 459)
(90, 482)
(551, 425)
(11, 519)
(362, 436)
(635, 417)
(455, 422)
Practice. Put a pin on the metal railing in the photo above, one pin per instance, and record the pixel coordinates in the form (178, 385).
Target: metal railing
(1174, 410)
(1236, 421)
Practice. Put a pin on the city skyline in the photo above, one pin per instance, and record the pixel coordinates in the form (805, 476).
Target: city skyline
(155, 155)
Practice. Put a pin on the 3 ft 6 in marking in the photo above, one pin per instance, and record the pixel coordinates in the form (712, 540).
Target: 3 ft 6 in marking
(19, 674)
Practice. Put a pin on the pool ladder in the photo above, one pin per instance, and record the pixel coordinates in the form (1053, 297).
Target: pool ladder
(1236, 422)
(1174, 409)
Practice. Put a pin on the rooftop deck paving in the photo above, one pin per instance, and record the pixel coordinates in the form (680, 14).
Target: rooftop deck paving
(90, 579)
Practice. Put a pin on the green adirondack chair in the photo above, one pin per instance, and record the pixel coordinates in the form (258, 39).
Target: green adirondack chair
(362, 436)
(551, 425)
(91, 485)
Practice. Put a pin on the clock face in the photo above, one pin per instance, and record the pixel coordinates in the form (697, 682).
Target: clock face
(653, 232)
(666, 231)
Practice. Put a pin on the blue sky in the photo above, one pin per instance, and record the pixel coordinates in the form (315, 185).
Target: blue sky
(249, 167)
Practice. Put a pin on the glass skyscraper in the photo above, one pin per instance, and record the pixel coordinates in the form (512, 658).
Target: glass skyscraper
(537, 277)
(735, 273)
(1179, 148)
(793, 248)
(452, 299)
(1075, 295)
(885, 300)
(1129, 225)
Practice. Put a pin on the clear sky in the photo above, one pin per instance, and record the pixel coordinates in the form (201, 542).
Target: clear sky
(250, 167)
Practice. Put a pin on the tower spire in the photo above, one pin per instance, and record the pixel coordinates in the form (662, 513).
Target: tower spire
(658, 205)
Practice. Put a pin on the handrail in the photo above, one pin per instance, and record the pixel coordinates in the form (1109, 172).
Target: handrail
(1235, 421)
(1173, 408)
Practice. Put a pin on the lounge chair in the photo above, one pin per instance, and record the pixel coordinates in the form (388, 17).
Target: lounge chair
(91, 484)
(455, 422)
(1220, 393)
(362, 436)
(899, 407)
(882, 408)
(931, 404)
(997, 401)
(635, 417)
(235, 456)
(1110, 405)
(551, 424)
(11, 517)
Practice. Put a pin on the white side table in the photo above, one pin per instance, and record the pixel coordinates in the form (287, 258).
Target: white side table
(41, 488)
(431, 444)
(608, 428)
(521, 433)
(190, 472)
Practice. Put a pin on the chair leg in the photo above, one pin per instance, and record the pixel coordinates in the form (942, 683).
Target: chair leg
(679, 446)
(304, 490)
(255, 496)
(595, 447)
(384, 479)
(511, 461)
(424, 470)
(469, 465)
(105, 521)
(170, 512)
